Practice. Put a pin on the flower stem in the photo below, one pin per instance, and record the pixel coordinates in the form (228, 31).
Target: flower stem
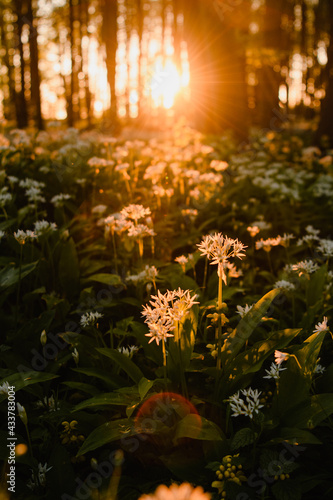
(164, 366)
(219, 308)
(19, 285)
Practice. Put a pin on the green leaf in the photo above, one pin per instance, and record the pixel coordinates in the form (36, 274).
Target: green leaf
(104, 278)
(246, 326)
(24, 379)
(296, 436)
(196, 427)
(81, 386)
(144, 386)
(108, 432)
(10, 275)
(124, 362)
(68, 270)
(311, 412)
(243, 438)
(110, 398)
(100, 374)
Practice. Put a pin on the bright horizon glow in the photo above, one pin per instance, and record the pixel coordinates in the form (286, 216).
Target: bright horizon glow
(165, 84)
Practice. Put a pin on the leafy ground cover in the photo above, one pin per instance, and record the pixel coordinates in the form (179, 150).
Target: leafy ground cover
(166, 310)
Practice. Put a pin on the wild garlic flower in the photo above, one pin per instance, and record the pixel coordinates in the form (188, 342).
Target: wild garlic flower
(148, 274)
(285, 285)
(59, 199)
(97, 162)
(253, 230)
(75, 356)
(183, 491)
(140, 231)
(5, 197)
(135, 212)
(321, 327)
(305, 267)
(48, 403)
(164, 310)
(182, 260)
(325, 247)
(319, 369)
(268, 243)
(34, 195)
(23, 236)
(280, 357)
(22, 413)
(90, 318)
(128, 351)
(43, 226)
(40, 479)
(219, 249)
(243, 310)
(117, 223)
(248, 406)
(4, 388)
(2, 234)
(274, 371)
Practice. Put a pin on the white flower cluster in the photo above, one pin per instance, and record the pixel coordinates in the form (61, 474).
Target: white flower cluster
(274, 371)
(248, 406)
(148, 274)
(164, 310)
(90, 318)
(219, 249)
(39, 479)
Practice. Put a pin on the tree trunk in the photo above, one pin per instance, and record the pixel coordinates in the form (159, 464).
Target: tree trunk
(22, 112)
(325, 127)
(34, 71)
(110, 12)
(217, 68)
(269, 80)
(70, 110)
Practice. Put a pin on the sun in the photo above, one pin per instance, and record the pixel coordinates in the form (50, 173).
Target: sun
(165, 84)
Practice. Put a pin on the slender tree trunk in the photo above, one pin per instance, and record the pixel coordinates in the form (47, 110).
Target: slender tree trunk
(110, 12)
(34, 70)
(217, 67)
(269, 80)
(325, 127)
(140, 19)
(22, 111)
(70, 111)
(8, 108)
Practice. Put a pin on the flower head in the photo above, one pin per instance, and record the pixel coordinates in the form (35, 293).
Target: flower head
(248, 406)
(274, 371)
(183, 491)
(90, 318)
(321, 327)
(164, 310)
(219, 249)
(280, 357)
(135, 212)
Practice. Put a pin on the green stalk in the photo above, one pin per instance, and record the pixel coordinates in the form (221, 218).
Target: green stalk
(114, 250)
(164, 365)
(219, 310)
(181, 371)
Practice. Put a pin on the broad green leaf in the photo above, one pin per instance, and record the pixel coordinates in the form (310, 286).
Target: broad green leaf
(246, 326)
(100, 374)
(124, 362)
(196, 427)
(308, 354)
(295, 436)
(10, 275)
(109, 398)
(81, 386)
(243, 438)
(104, 278)
(108, 432)
(316, 285)
(144, 386)
(312, 412)
(24, 379)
